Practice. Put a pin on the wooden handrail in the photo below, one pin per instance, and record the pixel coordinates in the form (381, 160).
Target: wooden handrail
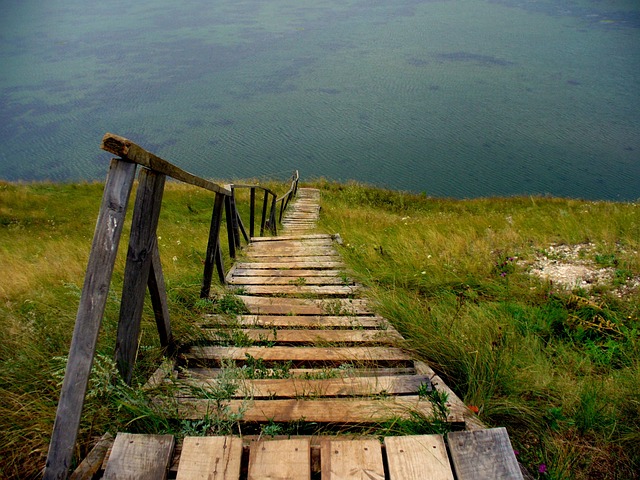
(143, 271)
(128, 150)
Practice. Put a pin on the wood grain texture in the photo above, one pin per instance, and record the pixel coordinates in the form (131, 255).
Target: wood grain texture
(288, 264)
(93, 300)
(323, 410)
(351, 459)
(483, 455)
(418, 457)
(210, 458)
(301, 291)
(139, 457)
(332, 387)
(299, 306)
(319, 354)
(126, 149)
(301, 321)
(280, 460)
(288, 281)
(93, 461)
(142, 241)
(306, 337)
(284, 273)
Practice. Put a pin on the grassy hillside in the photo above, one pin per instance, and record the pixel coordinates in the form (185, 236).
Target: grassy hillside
(558, 366)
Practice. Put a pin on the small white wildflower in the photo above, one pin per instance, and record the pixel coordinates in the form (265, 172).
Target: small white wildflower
(428, 256)
(178, 242)
(423, 272)
(175, 259)
(159, 237)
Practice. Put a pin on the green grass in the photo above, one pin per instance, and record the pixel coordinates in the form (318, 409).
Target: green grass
(559, 369)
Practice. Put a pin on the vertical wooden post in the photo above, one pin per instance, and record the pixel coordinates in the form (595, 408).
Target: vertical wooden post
(272, 217)
(252, 212)
(136, 271)
(158, 294)
(89, 317)
(234, 218)
(229, 220)
(213, 247)
(263, 220)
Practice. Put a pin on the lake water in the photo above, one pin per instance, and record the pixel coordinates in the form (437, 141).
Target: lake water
(460, 98)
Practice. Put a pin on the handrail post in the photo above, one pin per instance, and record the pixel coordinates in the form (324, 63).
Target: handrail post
(252, 211)
(272, 217)
(265, 204)
(213, 247)
(158, 294)
(136, 273)
(93, 300)
(229, 220)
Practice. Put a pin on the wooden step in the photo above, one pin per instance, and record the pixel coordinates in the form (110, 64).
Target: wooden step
(330, 387)
(307, 264)
(300, 290)
(299, 336)
(236, 273)
(352, 322)
(303, 306)
(301, 354)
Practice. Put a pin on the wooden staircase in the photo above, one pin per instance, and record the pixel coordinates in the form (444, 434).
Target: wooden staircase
(307, 350)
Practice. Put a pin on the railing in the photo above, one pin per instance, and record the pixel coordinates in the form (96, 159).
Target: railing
(142, 270)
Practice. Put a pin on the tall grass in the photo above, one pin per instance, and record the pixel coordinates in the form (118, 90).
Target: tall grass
(452, 276)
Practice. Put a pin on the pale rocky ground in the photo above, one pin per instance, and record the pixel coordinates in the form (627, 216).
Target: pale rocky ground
(573, 266)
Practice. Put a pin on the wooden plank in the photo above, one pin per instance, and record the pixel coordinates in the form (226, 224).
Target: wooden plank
(210, 458)
(348, 386)
(276, 258)
(303, 290)
(305, 264)
(483, 454)
(352, 371)
(280, 280)
(125, 148)
(417, 457)
(322, 410)
(139, 457)
(280, 460)
(352, 459)
(142, 240)
(355, 322)
(372, 337)
(93, 461)
(285, 273)
(299, 354)
(455, 404)
(158, 294)
(303, 306)
(93, 299)
(312, 242)
(290, 237)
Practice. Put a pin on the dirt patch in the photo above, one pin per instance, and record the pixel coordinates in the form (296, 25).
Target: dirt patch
(572, 266)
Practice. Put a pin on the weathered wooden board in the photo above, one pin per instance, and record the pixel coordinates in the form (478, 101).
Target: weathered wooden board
(93, 461)
(455, 404)
(280, 459)
(210, 373)
(283, 265)
(323, 410)
(303, 306)
(330, 387)
(358, 322)
(352, 459)
(300, 354)
(237, 273)
(294, 259)
(483, 455)
(210, 458)
(139, 457)
(303, 290)
(418, 457)
(280, 280)
(372, 337)
(312, 242)
(277, 251)
(280, 238)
